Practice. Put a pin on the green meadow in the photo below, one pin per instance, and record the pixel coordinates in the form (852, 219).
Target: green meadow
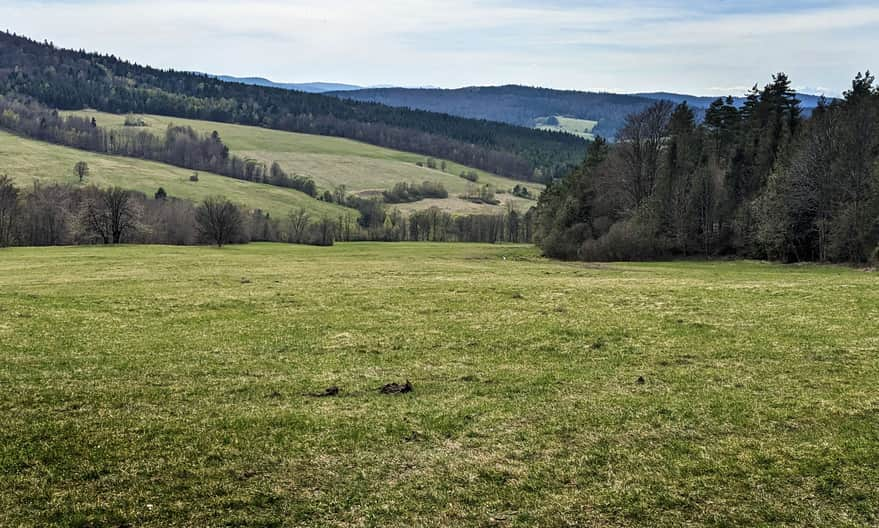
(152, 386)
(332, 162)
(571, 125)
(25, 161)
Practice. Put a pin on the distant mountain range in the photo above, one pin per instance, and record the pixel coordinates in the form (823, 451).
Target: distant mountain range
(312, 87)
(517, 105)
(807, 101)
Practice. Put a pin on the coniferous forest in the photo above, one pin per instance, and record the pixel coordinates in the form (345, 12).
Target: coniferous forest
(760, 181)
(67, 80)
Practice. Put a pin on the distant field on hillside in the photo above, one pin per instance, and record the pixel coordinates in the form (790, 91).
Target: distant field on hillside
(578, 127)
(26, 160)
(155, 386)
(331, 162)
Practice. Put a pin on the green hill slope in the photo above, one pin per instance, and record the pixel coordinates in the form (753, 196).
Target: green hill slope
(332, 162)
(26, 160)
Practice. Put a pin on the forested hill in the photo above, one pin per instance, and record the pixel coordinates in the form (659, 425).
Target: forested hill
(68, 79)
(524, 105)
(758, 181)
(807, 102)
(517, 105)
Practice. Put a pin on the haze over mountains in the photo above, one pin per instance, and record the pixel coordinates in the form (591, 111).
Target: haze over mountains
(514, 104)
(308, 87)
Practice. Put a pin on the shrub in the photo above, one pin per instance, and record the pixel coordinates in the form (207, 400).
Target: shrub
(629, 240)
(134, 121)
(483, 195)
(404, 192)
(470, 176)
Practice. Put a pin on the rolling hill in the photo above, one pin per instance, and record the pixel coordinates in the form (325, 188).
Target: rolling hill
(529, 106)
(73, 80)
(334, 162)
(311, 87)
(26, 160)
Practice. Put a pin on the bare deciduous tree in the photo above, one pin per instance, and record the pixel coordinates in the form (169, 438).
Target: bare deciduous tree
(111, 214)
(8, 208)
(81, 169)
(219, 220)
(641, 145)
(297, 223)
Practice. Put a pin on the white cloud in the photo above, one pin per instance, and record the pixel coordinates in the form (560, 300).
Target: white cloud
(620, 47)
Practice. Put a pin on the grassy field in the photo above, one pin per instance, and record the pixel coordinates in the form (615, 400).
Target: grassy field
(25, 160)
(578, 127)
(331, 162)
(160, 386)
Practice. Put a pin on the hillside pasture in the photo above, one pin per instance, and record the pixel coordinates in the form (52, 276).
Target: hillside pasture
(26, 161)
(571, 125)
(334, 162)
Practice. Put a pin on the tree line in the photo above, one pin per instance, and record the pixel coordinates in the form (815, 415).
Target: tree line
(760, 181)
(65, 214)
(70, 80)
(179, 145)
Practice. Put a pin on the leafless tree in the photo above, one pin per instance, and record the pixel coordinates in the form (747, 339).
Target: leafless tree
(111, 214)
(640, 141)
(47, 217)
(8, 209)
(81, 169)
(326, 232)
(297, 222)
(219, 220)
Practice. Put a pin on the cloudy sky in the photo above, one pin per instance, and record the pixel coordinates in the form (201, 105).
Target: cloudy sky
(703, 47)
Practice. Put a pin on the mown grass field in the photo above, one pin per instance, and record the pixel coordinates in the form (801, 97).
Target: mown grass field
(26, 160)
(332, 162)
(164, 386)
(577, 127)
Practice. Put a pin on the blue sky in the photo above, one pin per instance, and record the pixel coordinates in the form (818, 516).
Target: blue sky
(624, 46)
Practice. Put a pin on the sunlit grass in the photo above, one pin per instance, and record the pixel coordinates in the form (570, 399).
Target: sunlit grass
(157, 386)
(26, 161)
(332, 162)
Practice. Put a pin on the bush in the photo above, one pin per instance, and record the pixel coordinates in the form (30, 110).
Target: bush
(404, 192)
(521, 191)
(134, 121)
(481, 195)
(629, 240)
(470, 176)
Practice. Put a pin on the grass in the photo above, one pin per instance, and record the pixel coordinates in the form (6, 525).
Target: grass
(26, 160)
(332, 162)
(577, 127)
(156, 386)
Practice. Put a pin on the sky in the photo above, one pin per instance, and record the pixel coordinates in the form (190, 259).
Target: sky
(698, 47)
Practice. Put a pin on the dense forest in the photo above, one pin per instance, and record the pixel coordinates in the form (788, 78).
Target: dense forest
(523, 105)
(517, 105)
(67, 79)
(760, 181)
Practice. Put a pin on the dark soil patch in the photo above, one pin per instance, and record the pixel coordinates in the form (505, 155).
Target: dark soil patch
(396, 388)
(327, 393)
